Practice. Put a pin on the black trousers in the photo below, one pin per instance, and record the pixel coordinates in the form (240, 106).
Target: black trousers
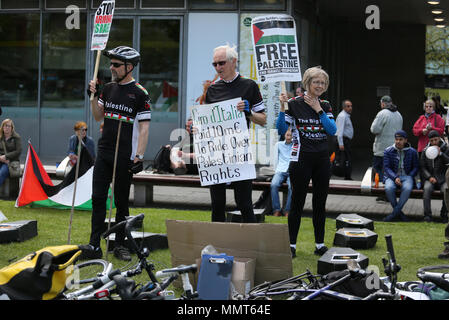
(348, 157)
(102, 178)
(315, 167)
(243, 198)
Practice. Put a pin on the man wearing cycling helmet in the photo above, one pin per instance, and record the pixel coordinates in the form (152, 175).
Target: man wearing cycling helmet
(126, 101)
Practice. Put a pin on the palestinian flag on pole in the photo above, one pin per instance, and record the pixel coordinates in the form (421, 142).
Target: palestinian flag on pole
(38, 190)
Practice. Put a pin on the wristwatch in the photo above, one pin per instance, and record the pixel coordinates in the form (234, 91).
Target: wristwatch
(140, 156)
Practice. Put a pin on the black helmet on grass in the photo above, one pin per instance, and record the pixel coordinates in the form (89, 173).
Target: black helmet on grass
(125, 54)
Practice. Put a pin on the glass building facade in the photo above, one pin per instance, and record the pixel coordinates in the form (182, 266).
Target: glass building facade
(47, 62)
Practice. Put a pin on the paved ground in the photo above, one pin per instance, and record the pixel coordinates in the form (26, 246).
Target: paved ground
(336, 204)
(199, 198)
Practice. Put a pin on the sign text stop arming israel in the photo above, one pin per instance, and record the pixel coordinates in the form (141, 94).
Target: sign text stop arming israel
(275, 48)
(102, 25)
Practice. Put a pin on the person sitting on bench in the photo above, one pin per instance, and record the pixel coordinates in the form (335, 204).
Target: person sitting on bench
(401, 165)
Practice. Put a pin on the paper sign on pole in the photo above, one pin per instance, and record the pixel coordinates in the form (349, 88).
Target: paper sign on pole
(222, 143)
(100, 34)
(275, 48)
(102, 25)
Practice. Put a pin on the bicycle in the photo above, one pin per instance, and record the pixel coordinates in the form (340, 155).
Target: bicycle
(116, 284)
(433, 284)
(308, 286)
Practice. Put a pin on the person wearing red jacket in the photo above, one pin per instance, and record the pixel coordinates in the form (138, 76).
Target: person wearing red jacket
(427, 122)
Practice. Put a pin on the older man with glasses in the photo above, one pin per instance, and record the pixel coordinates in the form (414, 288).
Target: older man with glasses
(232, 85)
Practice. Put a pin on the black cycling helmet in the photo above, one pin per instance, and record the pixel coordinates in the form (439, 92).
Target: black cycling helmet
(125, 54)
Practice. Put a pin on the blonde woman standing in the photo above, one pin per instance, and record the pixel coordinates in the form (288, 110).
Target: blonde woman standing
(311, 120)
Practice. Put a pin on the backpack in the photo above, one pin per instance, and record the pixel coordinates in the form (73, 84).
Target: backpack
(161, 163)
(41, 275)
(338, 166)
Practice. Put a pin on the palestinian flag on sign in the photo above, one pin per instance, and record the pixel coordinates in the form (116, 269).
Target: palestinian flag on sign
(38, 190)
(274, 31)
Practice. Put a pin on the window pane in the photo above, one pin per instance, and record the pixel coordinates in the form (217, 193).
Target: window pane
(22, 4)
(62, 4)
(126, 4)
(162, 3)
(262, 5)
(19, 50)
(63, 82)
(121, 34)
(159, 74)
(159, 70)
(213, 5)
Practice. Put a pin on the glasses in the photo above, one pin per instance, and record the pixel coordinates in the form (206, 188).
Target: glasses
(83, 129)
(219, 63)
(317, 82)
(116, 64)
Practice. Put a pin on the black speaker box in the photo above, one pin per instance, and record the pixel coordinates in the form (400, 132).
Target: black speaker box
(17, 231)
(353, 220)
(236, 216)
(335, 259)
(355, 238)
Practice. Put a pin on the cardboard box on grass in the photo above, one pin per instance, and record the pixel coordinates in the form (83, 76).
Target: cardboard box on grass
(242, 277)
(268, 244)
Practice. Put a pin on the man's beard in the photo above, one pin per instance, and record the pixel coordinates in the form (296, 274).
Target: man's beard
(114, 76)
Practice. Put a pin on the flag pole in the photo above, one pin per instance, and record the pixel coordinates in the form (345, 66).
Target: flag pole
(111, 196)
(77, 169)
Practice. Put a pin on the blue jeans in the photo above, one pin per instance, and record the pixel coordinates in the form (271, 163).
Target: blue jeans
(406, 189)
(4, 172)
(276, 182)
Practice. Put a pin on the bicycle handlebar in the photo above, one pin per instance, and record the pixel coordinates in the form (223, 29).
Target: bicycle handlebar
(176, 271)
(390, 249)
(104, 279)
(127, 224)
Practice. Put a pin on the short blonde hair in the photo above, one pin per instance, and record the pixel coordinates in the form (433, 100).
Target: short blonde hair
(312, 73)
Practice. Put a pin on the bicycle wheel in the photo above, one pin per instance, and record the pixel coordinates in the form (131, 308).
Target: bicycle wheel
(87, 272)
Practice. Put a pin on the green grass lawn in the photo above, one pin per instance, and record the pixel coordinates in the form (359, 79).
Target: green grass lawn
(416, 244)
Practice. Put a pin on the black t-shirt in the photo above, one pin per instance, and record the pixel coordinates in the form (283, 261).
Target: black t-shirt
(239, 87)
(129, 103)
(306, 125)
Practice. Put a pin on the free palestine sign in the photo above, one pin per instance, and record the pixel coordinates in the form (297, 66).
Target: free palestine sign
(275, 48)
